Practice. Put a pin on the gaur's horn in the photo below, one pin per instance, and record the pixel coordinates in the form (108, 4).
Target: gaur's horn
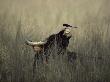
(30, 43)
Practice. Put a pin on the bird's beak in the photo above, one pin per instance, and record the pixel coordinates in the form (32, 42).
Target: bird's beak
(75, 27)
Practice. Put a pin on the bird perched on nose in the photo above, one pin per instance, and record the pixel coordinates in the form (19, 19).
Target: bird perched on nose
(67, 25)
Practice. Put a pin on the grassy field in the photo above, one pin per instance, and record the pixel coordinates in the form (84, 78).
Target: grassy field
(37, 19)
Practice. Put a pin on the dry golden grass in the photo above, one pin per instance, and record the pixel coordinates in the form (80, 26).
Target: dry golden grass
(36, 20)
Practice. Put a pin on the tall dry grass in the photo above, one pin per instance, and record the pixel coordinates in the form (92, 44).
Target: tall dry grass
(91, 41)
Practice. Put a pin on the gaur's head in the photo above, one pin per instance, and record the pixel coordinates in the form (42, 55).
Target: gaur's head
(67, 30)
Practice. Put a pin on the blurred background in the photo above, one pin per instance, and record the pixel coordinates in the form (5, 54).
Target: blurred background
(37, 19)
